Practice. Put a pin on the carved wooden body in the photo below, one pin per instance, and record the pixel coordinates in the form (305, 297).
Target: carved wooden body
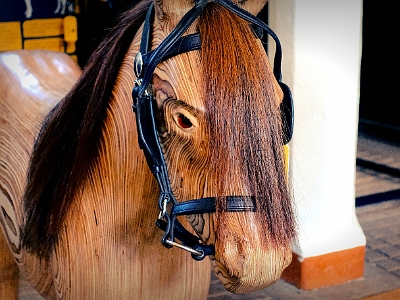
(33, 82)
(108, 246)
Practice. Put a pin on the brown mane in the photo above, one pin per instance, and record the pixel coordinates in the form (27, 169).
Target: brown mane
(66, 147)
(244, 122)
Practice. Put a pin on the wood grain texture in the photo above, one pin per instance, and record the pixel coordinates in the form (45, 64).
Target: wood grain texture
(109, 247)
(33, 82)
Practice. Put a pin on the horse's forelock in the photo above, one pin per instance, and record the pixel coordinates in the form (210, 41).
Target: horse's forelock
(244, 122)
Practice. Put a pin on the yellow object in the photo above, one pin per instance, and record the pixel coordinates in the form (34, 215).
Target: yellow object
(43, 27)
(70, 29)
(70, 48)
(53, 44)
(286, 152)
(10, 37)
(70, 33)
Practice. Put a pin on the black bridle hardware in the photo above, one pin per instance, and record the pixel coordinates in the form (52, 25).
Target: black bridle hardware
(189, 241)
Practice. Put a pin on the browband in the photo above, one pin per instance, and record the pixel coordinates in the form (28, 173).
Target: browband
(145, 64)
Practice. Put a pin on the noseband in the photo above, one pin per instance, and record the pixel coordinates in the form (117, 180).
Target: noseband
(145, 64)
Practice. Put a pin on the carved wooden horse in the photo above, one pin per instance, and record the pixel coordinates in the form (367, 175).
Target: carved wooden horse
(78, 204)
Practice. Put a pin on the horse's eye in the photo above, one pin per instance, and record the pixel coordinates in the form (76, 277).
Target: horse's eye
(183, 121)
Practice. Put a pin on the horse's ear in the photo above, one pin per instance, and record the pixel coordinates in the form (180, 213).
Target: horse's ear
(252, 6)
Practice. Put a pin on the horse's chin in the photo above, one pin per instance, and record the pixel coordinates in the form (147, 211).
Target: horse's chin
(245, 258)
(254, 269)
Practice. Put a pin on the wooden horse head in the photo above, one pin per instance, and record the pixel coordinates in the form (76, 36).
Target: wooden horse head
(218, 119)
(216, 134)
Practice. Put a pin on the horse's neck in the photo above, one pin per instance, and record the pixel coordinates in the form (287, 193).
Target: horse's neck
(121, 180)
(120, 189)
(110, 230)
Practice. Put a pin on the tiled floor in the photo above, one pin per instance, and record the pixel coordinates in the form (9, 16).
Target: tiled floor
(380, 152)
(381, 225)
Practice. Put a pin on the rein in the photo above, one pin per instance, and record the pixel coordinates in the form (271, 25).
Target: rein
(144, 66)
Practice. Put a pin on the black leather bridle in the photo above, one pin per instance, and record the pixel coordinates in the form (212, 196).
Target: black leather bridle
(145, 64)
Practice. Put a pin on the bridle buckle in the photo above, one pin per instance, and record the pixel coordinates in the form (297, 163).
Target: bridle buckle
(163, 211)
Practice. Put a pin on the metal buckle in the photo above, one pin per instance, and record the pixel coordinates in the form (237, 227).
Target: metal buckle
(138, 64)
(163, 211)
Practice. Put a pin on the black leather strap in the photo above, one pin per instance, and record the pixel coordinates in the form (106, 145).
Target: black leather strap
(146, 33)
(181, 45)
(160, 52)
(174, 230)
(184, 44)
(287, 113)
(180, 233)
(207, 205)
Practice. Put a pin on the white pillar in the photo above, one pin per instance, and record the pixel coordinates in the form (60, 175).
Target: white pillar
(321, 43)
